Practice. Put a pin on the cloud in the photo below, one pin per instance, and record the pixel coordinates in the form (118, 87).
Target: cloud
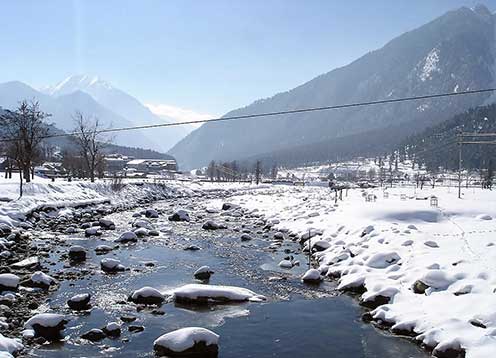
(178, 114)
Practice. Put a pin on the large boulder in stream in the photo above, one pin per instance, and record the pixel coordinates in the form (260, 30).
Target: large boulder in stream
(188, 342)
(147, 296)
(47, 325)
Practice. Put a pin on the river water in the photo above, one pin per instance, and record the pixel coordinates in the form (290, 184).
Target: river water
(297, 320)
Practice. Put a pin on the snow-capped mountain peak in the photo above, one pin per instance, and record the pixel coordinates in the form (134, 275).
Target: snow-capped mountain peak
(85, 83)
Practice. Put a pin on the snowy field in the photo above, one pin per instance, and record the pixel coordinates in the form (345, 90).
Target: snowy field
(427, 272)
(388, 247)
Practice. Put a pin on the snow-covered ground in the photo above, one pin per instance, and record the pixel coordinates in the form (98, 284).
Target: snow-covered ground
(42, 192)
(388, 246)
(429, 271)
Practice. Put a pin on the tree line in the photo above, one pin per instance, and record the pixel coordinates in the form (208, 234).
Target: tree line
(239, 171)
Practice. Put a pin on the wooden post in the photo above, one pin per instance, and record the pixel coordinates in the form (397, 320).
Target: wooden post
(459, 166)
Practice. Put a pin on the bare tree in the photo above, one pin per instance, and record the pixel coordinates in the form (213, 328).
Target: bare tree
(258, 171)
(25, 128)
(90, 142)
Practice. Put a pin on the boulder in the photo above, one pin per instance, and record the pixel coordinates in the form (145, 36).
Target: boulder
(106, 224)
(102, 249)
(112, 329)
(203, 273)
(77, 253)
(47, 325)
(94, 335)
(79, 302)
(31, 263)
(245, 237)
(312, 276)
(93, 231)
(9, 282)
(127, 237)
(188, 342)
(40, 280)
(111, 265)
(147, 296)
(151, 213)
(180, 215)
(212, 225)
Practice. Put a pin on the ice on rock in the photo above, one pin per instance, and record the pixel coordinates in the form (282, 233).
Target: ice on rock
(205, 293)
(382, 260)
(187, 341)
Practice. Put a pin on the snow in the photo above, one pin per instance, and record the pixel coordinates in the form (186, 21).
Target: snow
(185, 338)
(146, 292)
(81, 297)
(311, 275)
(215, 293)
(9, 280)
(45, 320)
(384, 247)
(9, 345)
(382, 259)
(430, 65)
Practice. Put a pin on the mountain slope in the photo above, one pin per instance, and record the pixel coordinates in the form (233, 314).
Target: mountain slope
(63, 108)
(122, 104)
(454, 52)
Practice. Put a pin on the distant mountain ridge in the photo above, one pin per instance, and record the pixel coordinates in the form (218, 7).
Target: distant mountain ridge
(454, 52)
(93, 96)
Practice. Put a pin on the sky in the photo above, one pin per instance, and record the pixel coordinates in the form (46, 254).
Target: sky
(200, 58)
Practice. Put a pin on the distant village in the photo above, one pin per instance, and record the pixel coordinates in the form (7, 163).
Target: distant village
(112, 165)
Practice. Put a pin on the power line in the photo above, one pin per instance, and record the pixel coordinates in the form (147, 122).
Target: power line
(277, 113)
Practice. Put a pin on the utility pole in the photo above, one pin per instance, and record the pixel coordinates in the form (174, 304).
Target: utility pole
(459, 139)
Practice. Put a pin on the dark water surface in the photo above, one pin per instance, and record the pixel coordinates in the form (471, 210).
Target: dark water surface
(296, 321)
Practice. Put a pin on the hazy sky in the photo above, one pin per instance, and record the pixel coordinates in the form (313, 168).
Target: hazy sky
(202, 56)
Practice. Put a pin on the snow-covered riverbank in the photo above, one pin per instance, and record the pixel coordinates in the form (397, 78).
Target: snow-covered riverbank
(43, 192)
(435, 266)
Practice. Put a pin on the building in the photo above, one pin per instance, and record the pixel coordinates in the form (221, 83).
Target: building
(152, 165)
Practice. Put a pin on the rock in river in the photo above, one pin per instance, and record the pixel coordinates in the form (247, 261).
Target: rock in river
(79, 302)
(187, 342)
(147, 295)
(47, 325)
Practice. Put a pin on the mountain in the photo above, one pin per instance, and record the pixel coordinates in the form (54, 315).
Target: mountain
(454, 52)
(122, 104)
(63, 108)
(95, 97)
(436, 146)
